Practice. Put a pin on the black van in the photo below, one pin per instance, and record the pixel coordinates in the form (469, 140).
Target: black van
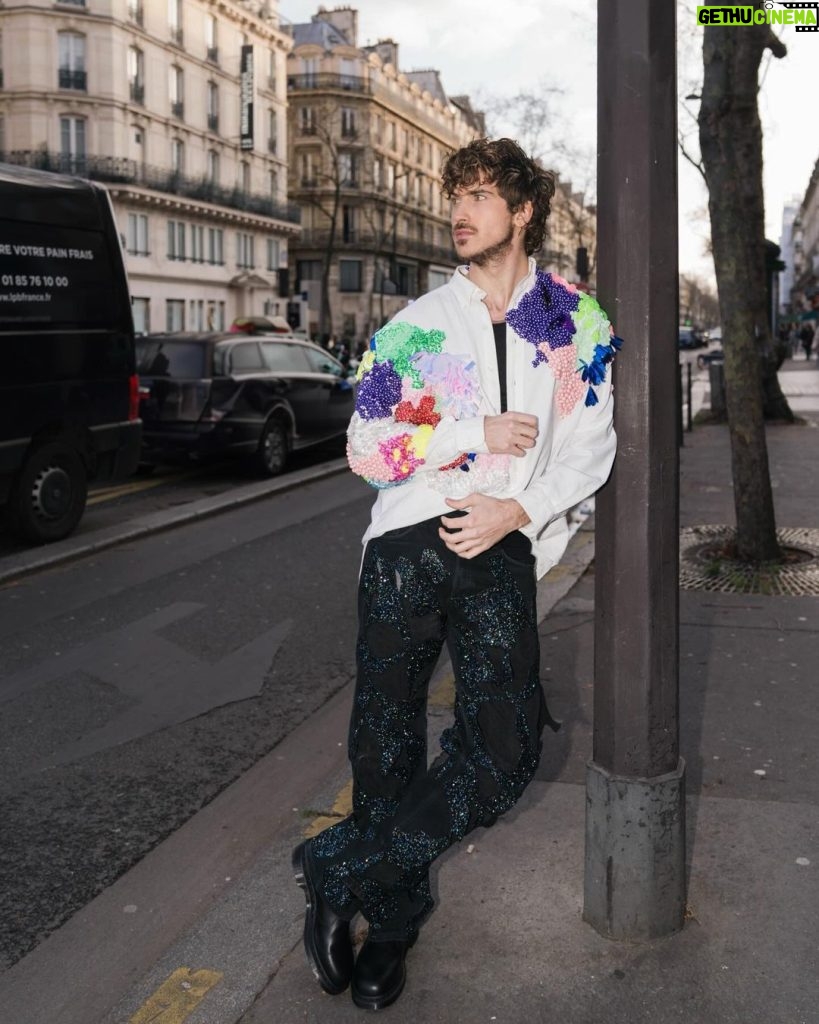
(69, 394)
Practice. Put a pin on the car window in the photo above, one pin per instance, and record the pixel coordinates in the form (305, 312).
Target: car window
(323, 362)
(246, 358)
(176, 359)
(282, 357)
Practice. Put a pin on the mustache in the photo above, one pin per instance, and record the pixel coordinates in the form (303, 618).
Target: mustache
(462, 226)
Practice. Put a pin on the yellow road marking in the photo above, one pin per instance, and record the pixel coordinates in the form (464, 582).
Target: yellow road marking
(99, 495)
(341, 808)
(177, 997)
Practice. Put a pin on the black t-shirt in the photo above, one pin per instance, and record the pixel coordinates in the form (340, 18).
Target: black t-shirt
(500, 349)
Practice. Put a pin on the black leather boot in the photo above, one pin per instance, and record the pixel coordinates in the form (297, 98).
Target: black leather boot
(326, 935)
(380, 973)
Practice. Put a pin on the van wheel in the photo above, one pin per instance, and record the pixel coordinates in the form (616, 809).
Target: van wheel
(48, 499)
(271, 456)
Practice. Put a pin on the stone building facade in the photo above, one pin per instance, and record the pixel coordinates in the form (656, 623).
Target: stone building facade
(805, 289)
(146, 96)
(367, 142)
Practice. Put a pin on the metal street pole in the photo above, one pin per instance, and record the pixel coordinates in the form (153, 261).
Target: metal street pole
(635, 821)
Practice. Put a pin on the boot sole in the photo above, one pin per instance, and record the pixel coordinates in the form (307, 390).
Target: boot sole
(303, 881)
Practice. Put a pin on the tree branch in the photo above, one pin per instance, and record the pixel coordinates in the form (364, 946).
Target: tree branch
(694, 163)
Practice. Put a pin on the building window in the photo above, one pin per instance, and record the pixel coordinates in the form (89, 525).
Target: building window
(71, 72)
(274, 184)
(176, 91)
(216, 246)
(245, 251)
(177, 156)
(307, 168)
(174, 314)
(213, 167)
(141, 312)
(213, 107)
(271, 69)
(349, 224)
(348, 169)
(348, 76)
(307, 121)
(393, 136)
(137, 235)
(392, 179)
(273, 249)
(211, 48)
(244, 171)
(378, 174)
(136, 74)
(197, 243)
(406, 279)
(175, 21)
(176, 240)
(307, 270)
(272, 131)
(136, 12)
(72, 145)
(309, 70)
(349, 275)
(348, 130)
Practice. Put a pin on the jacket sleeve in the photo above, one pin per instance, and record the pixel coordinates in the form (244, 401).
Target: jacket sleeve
(580, 466)
(405, 422)
(585, 442)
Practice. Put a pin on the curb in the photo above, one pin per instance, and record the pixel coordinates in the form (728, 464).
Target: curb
(25, 563)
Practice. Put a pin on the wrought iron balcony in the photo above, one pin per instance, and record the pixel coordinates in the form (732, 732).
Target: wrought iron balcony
(212, 54)
(69, 79)
(347, 83)
(213, 122)
(120, 171)
(178, 109)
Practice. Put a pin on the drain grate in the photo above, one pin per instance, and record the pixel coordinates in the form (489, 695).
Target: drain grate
(704, 567)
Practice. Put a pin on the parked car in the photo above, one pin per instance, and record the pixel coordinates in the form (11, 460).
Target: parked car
(689, 338)
(208, 395)
(68, 384)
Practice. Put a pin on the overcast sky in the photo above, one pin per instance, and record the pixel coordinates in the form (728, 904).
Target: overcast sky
(497, 47)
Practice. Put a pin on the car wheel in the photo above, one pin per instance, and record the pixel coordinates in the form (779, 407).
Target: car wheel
(48, 499)
(271, 456)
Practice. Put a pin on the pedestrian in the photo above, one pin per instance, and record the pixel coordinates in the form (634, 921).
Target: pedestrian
(815, 339)
(806, 337)
(483, 413)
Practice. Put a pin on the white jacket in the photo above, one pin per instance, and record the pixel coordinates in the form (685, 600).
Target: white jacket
(430, 378)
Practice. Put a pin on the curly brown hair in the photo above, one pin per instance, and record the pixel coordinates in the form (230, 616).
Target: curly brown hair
(518, 178)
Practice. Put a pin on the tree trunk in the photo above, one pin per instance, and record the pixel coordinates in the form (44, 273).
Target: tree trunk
(731, 145)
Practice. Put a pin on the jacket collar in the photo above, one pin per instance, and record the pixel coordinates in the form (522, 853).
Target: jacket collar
(468, 293)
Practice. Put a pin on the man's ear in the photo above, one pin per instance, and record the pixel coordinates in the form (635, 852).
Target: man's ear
(523, 215)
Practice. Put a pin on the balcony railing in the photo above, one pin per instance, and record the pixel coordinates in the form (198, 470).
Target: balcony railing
(347, 83)
(119, 171)
(178, 109)
(213, 122)
(382, 245)
(137, 92)
(68, 79)
(212, 54)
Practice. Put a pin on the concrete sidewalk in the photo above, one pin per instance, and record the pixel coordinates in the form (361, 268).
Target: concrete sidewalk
(507, 942)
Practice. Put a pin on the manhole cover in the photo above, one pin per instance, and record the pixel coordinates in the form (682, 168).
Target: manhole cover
(704, 564)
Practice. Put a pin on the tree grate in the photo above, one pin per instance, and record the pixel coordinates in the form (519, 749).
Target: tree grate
(704, 564)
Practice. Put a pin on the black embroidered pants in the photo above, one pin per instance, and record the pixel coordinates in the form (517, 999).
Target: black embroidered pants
(414, 596)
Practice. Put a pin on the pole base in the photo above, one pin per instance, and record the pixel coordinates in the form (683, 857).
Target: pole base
(634, 886)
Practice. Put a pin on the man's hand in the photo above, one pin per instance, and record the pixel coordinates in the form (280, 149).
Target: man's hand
(488, 521)
(511, 433)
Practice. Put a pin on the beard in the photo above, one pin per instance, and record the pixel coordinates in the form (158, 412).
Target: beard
(496, 252)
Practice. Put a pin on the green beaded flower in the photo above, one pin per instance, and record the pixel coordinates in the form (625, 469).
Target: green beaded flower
(400, 342)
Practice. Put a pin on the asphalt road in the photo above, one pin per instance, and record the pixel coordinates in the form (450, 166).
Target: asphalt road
(139, 682)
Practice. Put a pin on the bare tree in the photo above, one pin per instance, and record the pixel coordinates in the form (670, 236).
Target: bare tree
(322, 191)
(731, 147)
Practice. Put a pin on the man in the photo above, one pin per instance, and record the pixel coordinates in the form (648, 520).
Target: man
(483, 414)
